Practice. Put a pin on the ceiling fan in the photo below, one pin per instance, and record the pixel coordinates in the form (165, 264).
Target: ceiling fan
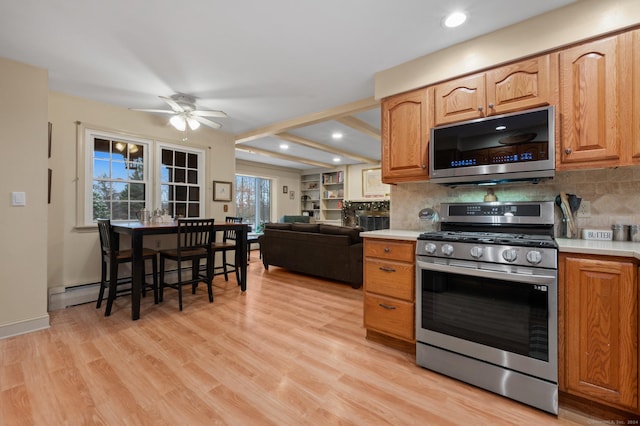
(183, 109)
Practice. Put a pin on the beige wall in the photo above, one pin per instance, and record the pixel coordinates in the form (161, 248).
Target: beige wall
(23, 167)
(578, 21)
(73, 251)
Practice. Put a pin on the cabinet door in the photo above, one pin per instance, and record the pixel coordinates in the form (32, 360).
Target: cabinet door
(601, 329)
(460, 99)
(405, 135)
(635, 137)
(590, 102)
(523, 85)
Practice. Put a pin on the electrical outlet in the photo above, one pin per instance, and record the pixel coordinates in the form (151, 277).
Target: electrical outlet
(585, 209)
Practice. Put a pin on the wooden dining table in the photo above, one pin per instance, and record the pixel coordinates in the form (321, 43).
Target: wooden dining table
(138, 230)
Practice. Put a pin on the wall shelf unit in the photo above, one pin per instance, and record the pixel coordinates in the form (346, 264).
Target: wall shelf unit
(322, 195)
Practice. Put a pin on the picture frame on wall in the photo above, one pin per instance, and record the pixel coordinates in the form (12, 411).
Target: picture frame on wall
(222, 191)
(49, 138)
(372, 186)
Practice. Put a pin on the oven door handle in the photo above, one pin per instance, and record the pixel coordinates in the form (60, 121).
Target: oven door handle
(485, 273)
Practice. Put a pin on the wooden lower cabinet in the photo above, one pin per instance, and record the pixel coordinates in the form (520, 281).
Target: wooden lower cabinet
(599, 329)
(389, 292)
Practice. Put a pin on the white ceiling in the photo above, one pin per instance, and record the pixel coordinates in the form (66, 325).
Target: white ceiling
(262, 62)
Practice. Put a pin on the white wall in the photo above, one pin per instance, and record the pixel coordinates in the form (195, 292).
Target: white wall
(73, 250)
(23, 167)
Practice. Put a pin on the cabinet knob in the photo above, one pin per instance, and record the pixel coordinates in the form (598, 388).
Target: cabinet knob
(491, 105)
(424, 166)
(567, 151)
(480, 108)
(387, 249)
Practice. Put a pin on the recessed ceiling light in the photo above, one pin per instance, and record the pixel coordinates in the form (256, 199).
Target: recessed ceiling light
(501, 127)
(454, 19)
(336, 135)
(284, 146)
(336, 159)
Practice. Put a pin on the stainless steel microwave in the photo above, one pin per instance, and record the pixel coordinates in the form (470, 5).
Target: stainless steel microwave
(509, 147)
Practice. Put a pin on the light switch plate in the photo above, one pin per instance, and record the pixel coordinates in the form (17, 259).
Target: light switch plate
(18, 199)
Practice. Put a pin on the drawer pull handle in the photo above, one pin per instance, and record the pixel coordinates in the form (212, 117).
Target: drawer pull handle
(387, 269)
(382, 305)
(387, 249)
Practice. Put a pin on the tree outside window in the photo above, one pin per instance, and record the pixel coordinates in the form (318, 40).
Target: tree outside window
(253, 200)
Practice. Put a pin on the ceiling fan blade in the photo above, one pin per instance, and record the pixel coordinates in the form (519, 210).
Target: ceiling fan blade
(159, 111)
(206, 122)
(173, 104)
(208, 113)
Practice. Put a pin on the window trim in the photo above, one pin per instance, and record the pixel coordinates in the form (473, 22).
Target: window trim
(157, 170)
(90, 135)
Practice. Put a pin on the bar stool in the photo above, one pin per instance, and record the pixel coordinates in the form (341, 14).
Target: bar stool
(195, 237)
(227, 244)
(111, 258)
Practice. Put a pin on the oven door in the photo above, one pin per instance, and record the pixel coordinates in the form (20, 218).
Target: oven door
(502, 314)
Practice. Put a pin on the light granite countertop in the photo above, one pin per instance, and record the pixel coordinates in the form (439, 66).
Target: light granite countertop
(565, 245)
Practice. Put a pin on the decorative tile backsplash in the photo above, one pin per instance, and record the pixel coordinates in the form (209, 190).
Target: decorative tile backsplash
(614, 195)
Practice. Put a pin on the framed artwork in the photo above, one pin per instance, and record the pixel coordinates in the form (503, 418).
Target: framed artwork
(49, 187)
(50, 129)
(372, 186)
(221, 191)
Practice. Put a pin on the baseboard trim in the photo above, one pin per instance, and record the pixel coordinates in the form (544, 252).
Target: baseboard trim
(24, 327)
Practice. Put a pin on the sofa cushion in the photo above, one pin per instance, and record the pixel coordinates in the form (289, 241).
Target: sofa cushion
(274, 225)
(304, 227)
(353, 233)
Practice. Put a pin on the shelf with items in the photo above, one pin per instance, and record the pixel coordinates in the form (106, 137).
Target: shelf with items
(310, 188)
(332, 196)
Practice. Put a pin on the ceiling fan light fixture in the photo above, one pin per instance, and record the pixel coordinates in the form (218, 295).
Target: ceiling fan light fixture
(178, 122)
(193, 123)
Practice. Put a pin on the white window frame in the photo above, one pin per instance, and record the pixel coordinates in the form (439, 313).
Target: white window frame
(89, 141)
(201, 171)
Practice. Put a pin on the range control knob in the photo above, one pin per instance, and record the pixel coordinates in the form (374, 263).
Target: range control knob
(534, 257)
(510, 255)
(447, 249)
(430, 248)
(476, 252)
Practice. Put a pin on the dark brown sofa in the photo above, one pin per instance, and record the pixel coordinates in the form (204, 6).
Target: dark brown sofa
(328, 251)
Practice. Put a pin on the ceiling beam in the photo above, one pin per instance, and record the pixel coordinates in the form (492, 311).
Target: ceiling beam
(284, 157)
(361, 126)
(307, 120)
(326, 148)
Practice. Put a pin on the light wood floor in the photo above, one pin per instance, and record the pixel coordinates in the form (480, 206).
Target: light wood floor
(290, 351)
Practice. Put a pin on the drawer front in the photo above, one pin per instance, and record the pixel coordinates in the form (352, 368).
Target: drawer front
(389, 278)
(404, 251)
(389, 316)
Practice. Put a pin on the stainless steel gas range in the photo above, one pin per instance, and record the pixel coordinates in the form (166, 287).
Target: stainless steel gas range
(487, 296)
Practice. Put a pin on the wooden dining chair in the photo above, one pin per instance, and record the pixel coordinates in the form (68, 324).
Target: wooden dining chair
(195, 237)
(227, 244)
(111, 258)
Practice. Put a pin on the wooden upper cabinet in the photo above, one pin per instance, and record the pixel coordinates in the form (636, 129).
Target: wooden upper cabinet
(514, 87)
(635, 81)
(460, 99)
(601, 330)
(594, 77)
(406, 122)
(522, 85)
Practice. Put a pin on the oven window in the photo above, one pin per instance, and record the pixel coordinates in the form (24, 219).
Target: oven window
(500, 314)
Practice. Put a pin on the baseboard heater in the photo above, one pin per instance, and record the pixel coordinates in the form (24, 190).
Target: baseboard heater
(67, 297)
